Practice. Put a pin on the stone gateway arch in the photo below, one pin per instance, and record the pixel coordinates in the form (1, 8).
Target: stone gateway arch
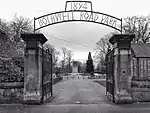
(78, 11)
(38, 78)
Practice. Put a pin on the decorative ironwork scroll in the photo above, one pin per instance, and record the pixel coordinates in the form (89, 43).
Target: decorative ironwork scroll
(78, 11)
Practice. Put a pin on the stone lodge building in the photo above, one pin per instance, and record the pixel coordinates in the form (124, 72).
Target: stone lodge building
(140, 72)
(140, 62)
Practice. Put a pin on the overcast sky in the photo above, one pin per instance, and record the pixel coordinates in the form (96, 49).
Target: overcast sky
(84, 34)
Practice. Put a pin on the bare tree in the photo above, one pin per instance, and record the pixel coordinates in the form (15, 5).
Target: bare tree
(20, 25)
(64, 58)
(4, 26)
(101, 65)
(54, 52)
(138, 25)
(102, 47)
(12, 31)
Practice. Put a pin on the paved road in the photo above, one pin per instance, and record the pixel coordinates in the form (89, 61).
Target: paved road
(83, 91)
(78, 96)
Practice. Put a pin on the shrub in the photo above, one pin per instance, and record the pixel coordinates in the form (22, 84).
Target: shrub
(11, 71)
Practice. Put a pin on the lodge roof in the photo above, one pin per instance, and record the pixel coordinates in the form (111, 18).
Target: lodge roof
(141, 49)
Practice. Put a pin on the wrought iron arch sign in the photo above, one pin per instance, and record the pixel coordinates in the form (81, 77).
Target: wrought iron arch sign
(78, 11)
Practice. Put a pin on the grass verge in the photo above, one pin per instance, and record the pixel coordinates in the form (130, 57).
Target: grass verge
(103, 83)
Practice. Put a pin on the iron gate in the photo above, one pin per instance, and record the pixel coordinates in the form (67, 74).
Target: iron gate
(110, 75)
(47, 85)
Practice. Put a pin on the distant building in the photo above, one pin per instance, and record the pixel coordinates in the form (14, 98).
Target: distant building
(74, 67)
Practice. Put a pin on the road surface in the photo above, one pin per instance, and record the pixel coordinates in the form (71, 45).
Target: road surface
(83, 91)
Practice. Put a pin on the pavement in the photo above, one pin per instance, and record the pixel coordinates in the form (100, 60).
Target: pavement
(77, 96)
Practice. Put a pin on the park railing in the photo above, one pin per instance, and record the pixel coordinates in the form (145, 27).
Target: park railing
(80, 76)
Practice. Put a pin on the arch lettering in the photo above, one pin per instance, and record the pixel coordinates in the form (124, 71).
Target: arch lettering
(78, 11)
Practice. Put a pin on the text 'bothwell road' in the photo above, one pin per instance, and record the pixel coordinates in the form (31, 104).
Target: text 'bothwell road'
(88, 16)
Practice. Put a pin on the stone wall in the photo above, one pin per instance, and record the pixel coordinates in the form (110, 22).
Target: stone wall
(140, 84)
(140, 89)
(11, 80)
(11, 92)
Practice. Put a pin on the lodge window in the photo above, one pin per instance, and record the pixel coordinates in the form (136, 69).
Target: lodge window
(148, 66)
(141, 67)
